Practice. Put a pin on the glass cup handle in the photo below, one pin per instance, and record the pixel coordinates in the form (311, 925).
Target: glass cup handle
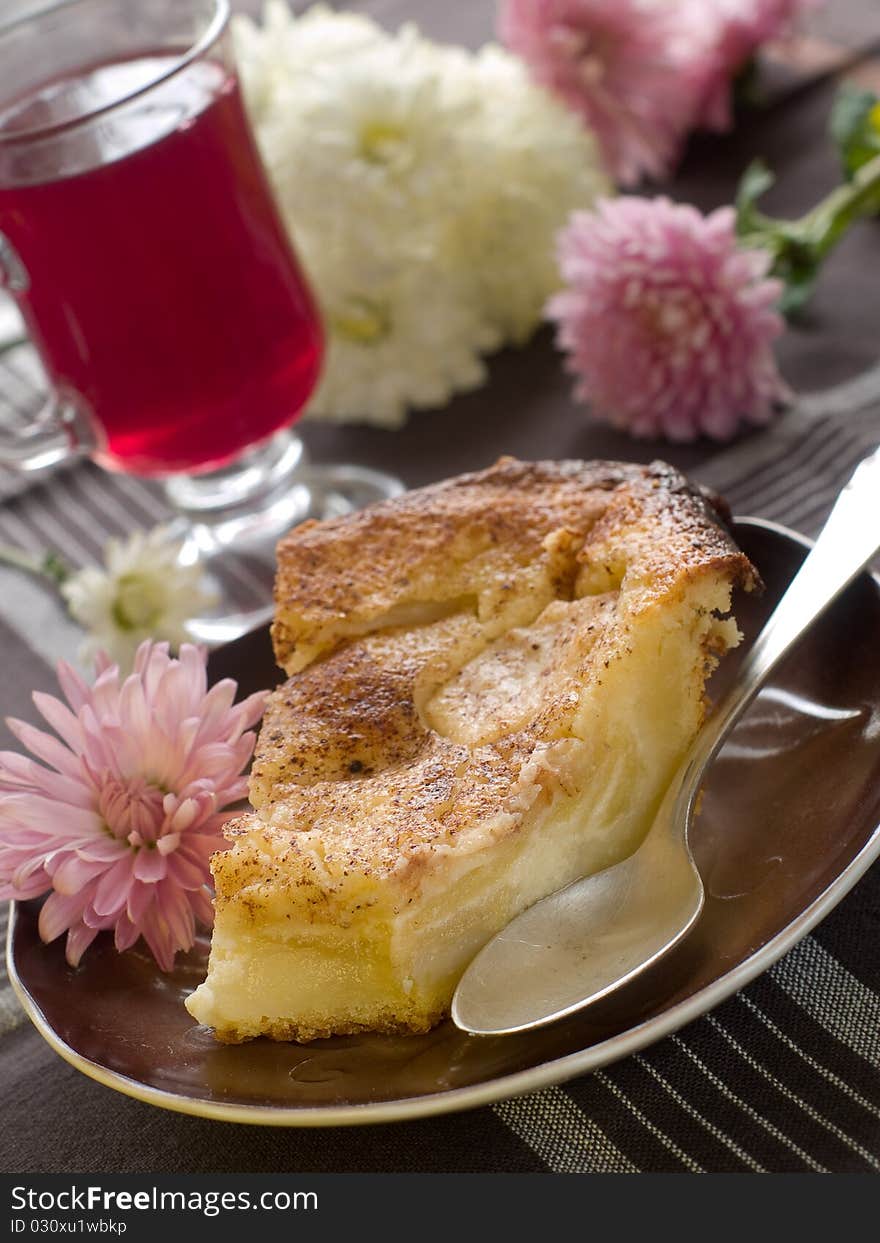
(52, 435)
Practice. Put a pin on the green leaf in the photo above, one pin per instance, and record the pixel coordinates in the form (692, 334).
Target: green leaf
(755, 181)
(855, 127)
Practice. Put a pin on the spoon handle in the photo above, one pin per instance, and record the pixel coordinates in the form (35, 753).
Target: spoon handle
(848, 540)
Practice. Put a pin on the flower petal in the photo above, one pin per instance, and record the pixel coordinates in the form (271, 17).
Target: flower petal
(58, 913)
(74, 688)
(45, 747)
(104, 849)
(186, 872)
(149, 866)
(112, 889)
(184, 815)
(126, 933)
(79, 939)
(139, 898)
(157, 935)
(202, 907)
(62, 720)
(73, 873)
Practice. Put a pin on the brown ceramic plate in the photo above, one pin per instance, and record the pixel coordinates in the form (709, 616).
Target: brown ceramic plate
(789, 823)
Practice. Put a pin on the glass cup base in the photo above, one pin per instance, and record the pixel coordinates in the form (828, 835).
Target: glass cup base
(230, 521)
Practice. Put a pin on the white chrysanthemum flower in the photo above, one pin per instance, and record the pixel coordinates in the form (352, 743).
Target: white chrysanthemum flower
(142, 592)
(283, 46)
(423, 187)
(370, 148)
(538, 164)
(401, 335)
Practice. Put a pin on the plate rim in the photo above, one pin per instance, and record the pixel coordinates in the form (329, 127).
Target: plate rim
(473, 1096)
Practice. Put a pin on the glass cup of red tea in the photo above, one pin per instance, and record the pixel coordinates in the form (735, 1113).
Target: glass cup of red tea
(141, 241)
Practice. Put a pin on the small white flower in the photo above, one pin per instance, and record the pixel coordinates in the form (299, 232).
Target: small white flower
(143, 592)
(423, 187)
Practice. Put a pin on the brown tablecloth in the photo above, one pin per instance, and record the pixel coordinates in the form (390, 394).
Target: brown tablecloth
(784, 1076)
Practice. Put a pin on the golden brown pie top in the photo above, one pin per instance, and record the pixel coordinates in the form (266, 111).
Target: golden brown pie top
(439, 646)
(475, 539)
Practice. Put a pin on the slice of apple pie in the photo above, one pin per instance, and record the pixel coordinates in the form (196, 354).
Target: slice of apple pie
(491, 681)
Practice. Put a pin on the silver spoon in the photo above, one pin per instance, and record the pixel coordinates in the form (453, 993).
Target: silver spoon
(588, 939)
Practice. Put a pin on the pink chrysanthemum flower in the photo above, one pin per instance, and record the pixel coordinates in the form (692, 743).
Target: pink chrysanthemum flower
(623, 65)
(121, 818)
(668, 323)
(731, 32)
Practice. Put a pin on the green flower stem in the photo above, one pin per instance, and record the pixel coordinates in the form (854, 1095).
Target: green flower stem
(49, 565)
(826, 224)
(799, 247)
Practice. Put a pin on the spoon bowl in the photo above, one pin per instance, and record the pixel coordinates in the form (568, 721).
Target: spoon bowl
(603, 931)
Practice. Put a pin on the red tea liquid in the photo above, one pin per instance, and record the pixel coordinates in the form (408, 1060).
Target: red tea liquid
(164, 292)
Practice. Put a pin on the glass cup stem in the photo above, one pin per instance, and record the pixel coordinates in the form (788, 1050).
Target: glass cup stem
(231, 519)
